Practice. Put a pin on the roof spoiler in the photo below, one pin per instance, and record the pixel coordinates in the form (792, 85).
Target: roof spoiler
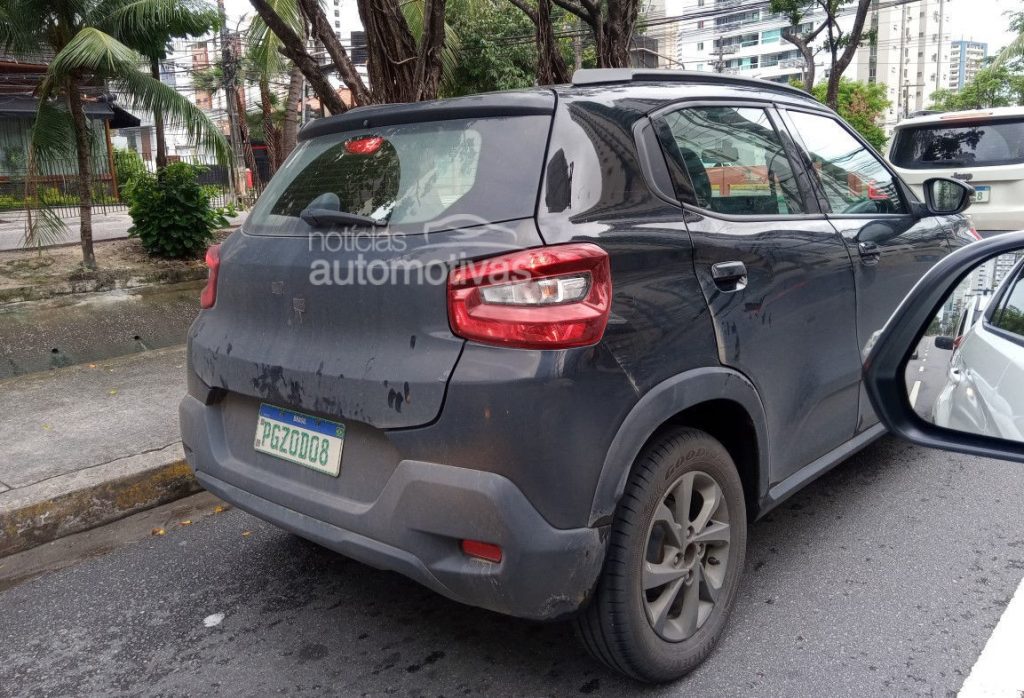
(611, 76)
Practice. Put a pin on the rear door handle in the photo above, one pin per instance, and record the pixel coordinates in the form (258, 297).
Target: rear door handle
(870, 252)
(729, 276)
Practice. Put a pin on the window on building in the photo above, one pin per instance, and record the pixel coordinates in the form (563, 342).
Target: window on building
(700, 45)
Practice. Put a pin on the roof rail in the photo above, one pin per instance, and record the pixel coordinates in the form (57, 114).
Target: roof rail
(607, 76)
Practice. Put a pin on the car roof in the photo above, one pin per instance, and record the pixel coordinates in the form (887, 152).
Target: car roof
(966, 115)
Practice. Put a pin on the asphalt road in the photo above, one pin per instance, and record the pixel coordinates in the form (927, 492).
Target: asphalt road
(928, 371)
(885, 577)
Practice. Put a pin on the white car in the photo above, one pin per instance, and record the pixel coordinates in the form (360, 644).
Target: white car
(983, 147)
(985, 389)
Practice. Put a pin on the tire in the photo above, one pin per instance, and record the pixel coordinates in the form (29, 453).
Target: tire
(662, 633)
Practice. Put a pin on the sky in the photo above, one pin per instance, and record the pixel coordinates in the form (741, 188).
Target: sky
(977, 20)
(983, 20)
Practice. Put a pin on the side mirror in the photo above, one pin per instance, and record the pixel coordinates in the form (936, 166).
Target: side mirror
(970, 400)
(945, 196)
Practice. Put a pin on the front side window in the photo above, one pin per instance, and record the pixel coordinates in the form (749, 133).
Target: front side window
(733, 159)
(852, 177)
(1009, 316)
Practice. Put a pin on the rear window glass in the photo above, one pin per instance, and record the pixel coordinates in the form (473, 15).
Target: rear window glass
(408, 178)
(961, 145)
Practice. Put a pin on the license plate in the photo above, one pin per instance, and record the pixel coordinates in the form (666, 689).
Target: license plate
(299, 438)
(982, 194)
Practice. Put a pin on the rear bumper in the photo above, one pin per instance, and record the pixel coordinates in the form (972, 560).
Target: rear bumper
(414, 525)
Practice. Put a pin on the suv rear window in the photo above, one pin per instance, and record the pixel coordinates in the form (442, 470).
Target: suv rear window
(411, 178)
(960, 145)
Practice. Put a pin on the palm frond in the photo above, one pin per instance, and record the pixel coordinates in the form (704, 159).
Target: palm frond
(44, 227)
(264, 44)
(50, 139)
(1014, 49)
(97, 52)
(140, 91)
(149, 24)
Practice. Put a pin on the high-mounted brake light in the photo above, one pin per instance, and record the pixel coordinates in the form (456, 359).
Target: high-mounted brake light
(545, 298)
(364, 146)
(209, 295)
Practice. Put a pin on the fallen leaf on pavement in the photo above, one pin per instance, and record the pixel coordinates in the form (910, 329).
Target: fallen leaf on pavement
(185, 522)
(48, 427)
(214, 620)
(158, 531)
(113, 392)
(246, 533)
(92, 365)
(218, 509)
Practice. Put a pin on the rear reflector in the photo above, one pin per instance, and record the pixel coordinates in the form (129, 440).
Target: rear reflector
(483, 551)
(209, 295)
(553, 297)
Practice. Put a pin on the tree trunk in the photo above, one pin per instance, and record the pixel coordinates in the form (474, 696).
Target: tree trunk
(612, 27)
(290, 128)
(294, 47)
(840, 65)
(320, 28)
(271, 135)
(392, 54)
(243, 135)
(551, 68)
(804, 46)
(158, 120)
(83, 147)
(428, 63)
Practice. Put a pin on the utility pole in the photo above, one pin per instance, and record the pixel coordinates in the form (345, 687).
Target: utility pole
(719, 53)
(229, 66)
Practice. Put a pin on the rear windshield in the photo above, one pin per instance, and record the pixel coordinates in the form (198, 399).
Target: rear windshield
(408, 178)
(962, 145)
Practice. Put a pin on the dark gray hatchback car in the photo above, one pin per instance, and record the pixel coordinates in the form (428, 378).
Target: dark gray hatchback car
(547, 352)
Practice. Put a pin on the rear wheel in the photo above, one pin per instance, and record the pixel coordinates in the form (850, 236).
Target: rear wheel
(674, 560)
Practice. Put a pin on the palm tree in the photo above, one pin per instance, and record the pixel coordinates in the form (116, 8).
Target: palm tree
(267, 62)
(92, 42)
(191, 19)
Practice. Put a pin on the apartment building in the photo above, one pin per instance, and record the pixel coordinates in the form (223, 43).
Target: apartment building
(911, 55)
(965, 60)
(744, 38)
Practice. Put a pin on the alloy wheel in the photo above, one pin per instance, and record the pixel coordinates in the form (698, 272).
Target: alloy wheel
(687, 556)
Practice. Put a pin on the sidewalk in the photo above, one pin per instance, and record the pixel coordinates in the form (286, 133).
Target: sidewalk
(89, 444)
(105, 226)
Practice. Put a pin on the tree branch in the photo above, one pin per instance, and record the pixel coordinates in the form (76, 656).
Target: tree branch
(294, 47)
(321, 29)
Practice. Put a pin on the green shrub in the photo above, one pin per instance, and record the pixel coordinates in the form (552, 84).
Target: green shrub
(172, 212)
(52, 196)
(128, 165)
(10, 203)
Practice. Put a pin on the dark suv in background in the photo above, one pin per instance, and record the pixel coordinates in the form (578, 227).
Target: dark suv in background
(547, 352)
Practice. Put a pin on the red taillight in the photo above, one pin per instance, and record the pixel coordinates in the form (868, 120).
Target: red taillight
(364, 146)
(209, 295)
(545, 298)
(484, 551)
(974, 233)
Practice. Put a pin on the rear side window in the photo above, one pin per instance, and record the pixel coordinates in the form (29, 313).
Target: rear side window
(1009, 316)
(733, 159)
(959, 145)
(411, 177)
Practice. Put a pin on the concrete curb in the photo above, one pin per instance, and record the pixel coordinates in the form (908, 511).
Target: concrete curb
(66, 504)
(99, 281)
